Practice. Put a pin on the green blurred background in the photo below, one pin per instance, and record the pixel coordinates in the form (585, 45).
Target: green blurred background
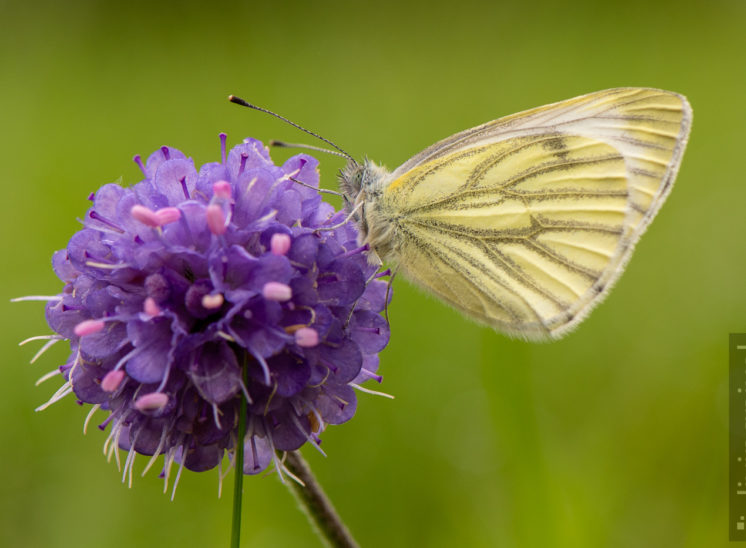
(615, 436)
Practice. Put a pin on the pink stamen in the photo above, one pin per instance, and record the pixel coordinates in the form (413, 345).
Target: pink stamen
(216, 219)
(145, 216)
(88, 327)
(154, 401)
(276, 291)
(279, 244)
(150, 307)
(167, 215)
(112, 380)
(222, 189)
(307, 337)
(213, 301)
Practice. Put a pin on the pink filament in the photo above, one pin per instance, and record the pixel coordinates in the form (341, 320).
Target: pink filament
(222, 189)
(167, 215)
(275, 291)
(144, 215)
(88, 327)
(112, 380)
(307, 337)
(216, 219)
(151, 402)
(279, 244)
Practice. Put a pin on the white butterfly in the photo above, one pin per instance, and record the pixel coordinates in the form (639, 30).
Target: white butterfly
(524, 223)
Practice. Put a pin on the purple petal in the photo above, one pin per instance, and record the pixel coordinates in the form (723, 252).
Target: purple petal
(258, 454)
(253, 195)
(251, 154)
(369, 330)
(290, 373)
(145, 435)
(203, 457)
(286, 436)
(337, 406)
(85, 383)
(62, 267)
(154, 349)
(63, 319)
(160, 156)
(191, 230)
(176, 180)
(304, 249)
(374, 297)
(289, 208)
(209, 174)
(344, 360)
(105, 342)
(215, 372)
(342, 284)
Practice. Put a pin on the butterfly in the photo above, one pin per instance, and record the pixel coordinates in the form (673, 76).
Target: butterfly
(525, 223)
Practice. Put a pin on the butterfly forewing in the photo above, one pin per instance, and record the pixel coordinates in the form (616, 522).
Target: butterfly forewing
(525, 222)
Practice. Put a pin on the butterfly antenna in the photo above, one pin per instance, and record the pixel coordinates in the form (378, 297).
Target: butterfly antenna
(283, 144)
(323, 190)
(239, 101)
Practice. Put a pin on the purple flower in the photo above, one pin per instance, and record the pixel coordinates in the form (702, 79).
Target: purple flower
(195, 288)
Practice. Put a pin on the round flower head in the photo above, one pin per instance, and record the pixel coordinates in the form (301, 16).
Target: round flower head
(195, 288)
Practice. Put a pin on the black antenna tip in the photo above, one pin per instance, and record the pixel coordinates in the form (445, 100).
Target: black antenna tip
(276, 143)
(237, 100)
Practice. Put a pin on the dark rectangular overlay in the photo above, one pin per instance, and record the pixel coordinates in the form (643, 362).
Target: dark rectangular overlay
(737, 438)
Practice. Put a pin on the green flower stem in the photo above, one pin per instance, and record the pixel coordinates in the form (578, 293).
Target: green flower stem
(238, 470)
(316, 505)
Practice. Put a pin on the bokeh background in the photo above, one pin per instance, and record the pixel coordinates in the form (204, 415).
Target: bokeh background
(615, 436)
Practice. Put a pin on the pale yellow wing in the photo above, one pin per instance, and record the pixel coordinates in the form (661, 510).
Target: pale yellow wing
(524, 223)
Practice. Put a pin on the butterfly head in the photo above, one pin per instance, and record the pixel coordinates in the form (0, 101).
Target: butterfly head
(362, 186)
(357, 181)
